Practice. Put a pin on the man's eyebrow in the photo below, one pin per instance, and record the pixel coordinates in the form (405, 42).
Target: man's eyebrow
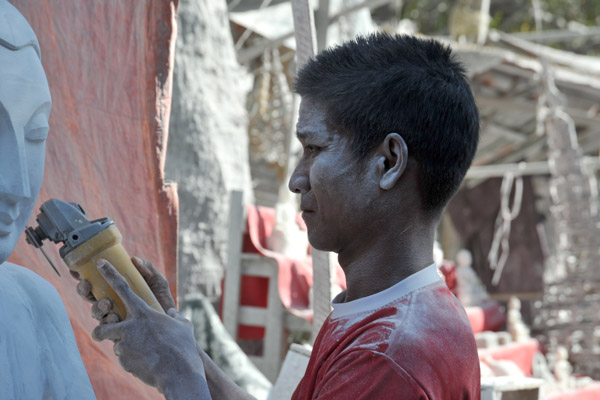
(302, 135)
(306, 131)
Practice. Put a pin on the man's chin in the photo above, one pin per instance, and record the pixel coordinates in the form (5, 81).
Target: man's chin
(319, 243)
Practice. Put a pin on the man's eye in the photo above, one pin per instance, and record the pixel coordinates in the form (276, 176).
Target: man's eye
(310, 149)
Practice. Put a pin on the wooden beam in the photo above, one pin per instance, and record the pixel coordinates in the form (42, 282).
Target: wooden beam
(558, 35)
(522, 169)
(579, 116)
(233, 274)
(246, 55)
(322, 24)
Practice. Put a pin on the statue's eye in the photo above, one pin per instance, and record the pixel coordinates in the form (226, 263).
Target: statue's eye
(37, 129)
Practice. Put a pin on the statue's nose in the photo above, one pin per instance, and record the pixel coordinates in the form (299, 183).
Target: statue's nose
(14, 174)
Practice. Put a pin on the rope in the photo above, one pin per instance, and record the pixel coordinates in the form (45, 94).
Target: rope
(500, 249)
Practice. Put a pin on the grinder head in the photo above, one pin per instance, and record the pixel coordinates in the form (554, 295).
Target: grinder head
(66, 223)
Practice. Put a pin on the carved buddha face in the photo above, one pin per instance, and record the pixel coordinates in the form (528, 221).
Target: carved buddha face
(24, 110)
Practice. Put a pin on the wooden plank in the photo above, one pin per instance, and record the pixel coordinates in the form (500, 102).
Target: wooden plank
(558, 35)
(522, 169)
(255, 316)
(257, 265)
(579, 116)
(231, 293)
(273, 344)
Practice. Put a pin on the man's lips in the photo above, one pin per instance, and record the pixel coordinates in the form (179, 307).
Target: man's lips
(306, 206)
(306, 209)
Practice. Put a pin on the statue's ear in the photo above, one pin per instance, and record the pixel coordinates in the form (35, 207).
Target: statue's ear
(393, 156)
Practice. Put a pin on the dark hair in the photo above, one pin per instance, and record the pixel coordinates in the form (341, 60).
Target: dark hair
(378, 84)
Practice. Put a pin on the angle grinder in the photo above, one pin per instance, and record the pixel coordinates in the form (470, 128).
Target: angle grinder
(84, 243)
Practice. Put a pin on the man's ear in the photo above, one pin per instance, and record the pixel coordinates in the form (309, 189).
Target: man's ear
(392, 161)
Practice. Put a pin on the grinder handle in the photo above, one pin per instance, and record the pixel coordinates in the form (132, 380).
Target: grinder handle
(101, 289)
(107, 245)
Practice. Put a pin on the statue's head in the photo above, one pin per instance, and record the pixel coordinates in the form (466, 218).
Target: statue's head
(24, 110)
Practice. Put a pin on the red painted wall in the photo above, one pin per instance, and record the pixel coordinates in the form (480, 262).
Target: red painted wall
(109, 65)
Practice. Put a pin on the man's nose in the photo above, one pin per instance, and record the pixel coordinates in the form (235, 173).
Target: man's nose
(299, 181)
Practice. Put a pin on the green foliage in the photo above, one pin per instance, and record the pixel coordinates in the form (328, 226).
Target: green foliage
(507, 15)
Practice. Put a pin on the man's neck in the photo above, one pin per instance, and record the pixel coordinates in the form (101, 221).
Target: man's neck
(380, 263)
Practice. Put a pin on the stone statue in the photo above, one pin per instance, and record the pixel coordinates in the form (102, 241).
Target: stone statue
(39, 358)
(514, 321)
(562, 369)
(470, 290)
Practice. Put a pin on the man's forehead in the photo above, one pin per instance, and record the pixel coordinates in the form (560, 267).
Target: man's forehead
(311, 119)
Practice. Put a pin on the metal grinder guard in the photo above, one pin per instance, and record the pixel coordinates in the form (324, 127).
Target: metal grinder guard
(84, 243)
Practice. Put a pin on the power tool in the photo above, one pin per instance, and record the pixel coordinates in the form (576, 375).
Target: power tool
(84, 243)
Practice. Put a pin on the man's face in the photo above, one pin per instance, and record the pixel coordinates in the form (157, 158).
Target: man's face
(332, 186)
(24, 110)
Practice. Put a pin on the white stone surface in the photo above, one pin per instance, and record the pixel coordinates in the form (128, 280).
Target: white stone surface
(24, 109)
(39, 358)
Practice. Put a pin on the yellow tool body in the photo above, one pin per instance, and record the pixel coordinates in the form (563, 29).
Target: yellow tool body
(107, 246)
(84, 243)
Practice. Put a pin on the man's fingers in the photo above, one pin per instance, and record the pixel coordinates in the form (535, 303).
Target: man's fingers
(157, 282)
(84, 289)
(110, 319)
(101, 308)
(117, 348)
(118, 283)
(75, 274)
(109, 331)
(146, 268)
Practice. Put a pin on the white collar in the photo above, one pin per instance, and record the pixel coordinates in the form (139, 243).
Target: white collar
(424, 277)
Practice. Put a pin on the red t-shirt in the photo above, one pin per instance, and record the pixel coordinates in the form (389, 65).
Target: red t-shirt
(411, 341)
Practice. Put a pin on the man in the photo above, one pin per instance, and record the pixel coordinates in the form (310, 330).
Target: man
(389, 128)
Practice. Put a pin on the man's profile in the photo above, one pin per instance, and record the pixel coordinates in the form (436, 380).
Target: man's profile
(389, 128)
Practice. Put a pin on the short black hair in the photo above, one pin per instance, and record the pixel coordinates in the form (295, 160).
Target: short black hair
(381, 83)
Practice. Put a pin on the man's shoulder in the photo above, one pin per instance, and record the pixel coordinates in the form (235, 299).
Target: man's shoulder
(430, 313)
(429, 339)
(433, 318)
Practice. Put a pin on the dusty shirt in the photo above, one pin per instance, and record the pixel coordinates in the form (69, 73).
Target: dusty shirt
(411, 341)
(39, 358)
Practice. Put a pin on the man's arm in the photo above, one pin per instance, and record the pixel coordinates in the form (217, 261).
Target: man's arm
(156, 347)
(220, 385)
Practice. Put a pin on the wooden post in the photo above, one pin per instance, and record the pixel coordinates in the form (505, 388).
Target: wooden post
(305, 48)
(322, 24)
(233, 275)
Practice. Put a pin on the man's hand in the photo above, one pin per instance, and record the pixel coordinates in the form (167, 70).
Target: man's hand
(159, 349)
(157, 283)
